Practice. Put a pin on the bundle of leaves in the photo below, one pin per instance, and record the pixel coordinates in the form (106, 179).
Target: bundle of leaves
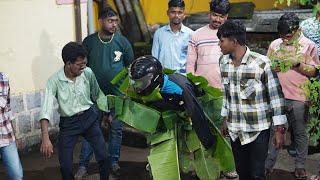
(174, 144)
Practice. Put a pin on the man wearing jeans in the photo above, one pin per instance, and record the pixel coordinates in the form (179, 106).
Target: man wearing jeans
(8, 148)
(75, 88)
(108, 54)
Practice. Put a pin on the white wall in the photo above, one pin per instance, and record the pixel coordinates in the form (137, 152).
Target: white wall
(32, 34)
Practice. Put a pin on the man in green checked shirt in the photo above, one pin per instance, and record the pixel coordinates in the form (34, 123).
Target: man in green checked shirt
(252, 102)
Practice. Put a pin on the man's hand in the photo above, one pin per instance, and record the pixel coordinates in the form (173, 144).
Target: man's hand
(107, 119)
(46, 148)
(279, 139)
(277, 69)
(224, 129)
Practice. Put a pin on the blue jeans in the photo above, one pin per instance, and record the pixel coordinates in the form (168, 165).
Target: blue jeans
(115, 141)
(11, 161)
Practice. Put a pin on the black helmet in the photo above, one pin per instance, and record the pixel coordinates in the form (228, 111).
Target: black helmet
(145, 74)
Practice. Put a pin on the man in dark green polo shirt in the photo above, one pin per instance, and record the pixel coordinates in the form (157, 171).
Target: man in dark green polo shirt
(108, 54)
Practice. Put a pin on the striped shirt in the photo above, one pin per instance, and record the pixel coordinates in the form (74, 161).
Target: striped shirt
(6, 128)
(171, 48)
(203, 55)
(252, 96)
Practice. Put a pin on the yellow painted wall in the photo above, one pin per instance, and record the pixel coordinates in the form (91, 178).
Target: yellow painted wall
(155, 10)
(33, 33)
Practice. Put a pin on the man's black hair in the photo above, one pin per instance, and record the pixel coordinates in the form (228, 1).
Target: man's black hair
(176, 3)
(71, 51)
(288, 23)
(233, 29)
(220, 6)
(107, 12)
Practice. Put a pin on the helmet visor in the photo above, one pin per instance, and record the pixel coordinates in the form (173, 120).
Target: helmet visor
(141, 84)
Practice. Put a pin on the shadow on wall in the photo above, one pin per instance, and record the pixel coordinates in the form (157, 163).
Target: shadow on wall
(48, 62)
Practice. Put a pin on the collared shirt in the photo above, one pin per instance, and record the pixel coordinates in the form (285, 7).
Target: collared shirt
(203, 55)
(306, 52)
(6, 129)
(108, 60)
(73, 97)
(171, 48)
(252, 96)
(311, 29)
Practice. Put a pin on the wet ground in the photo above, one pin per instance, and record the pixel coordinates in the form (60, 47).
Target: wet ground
(133, 162)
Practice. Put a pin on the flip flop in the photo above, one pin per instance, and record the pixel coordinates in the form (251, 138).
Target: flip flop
(231, 175)
(300, 173)
(315, 177)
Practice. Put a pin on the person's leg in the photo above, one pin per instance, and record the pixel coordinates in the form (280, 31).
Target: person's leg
(70, 129)
(272, 152)
(299, 114)
(258, 154)
(241, 157)
(92, 133)
(11, 161)
(85, 154)
(115, 139)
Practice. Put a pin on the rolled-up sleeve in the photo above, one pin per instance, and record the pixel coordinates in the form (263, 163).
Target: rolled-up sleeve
(47, 102)
(277, 101)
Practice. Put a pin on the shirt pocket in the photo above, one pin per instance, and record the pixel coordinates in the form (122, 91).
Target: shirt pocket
(226, 84)
(248, 88)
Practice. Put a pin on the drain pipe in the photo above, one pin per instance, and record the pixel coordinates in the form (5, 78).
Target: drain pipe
(77, 11)
(90, 17)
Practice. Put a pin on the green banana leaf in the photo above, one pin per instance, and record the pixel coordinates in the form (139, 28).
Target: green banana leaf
(192, 141)
(169, 118)
(206, 167)
(211, 105)
(156, 138)
(119, 76)
(102, 102)
(164, 161)
(135, 114)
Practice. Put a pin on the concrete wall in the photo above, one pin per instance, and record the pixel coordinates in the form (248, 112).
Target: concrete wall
(33, 33)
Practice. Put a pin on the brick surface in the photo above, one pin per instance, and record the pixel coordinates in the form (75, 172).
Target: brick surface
(17, 104)
(33, 100)
(24, 124)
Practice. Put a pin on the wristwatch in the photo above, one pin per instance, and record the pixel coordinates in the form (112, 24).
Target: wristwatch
(281, 129)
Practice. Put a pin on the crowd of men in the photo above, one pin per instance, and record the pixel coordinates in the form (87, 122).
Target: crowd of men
(260, 101)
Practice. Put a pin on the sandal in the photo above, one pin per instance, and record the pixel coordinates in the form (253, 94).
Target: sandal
(300, 173)
(231, 175)
(315, 177)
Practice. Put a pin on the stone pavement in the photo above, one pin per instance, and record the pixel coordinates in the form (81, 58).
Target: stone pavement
(133, 162)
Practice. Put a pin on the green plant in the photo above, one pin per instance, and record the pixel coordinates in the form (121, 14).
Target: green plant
(285, 58)
(312, 92)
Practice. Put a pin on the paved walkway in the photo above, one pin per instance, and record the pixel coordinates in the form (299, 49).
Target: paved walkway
(133, 162)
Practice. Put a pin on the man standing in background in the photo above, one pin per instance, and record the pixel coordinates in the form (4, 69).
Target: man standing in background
(203, 50)
(108, 54)
(302, 52)
(170, 42)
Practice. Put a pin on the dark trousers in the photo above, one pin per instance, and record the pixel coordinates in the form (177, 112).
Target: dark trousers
(250, 158)
(86, 125)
